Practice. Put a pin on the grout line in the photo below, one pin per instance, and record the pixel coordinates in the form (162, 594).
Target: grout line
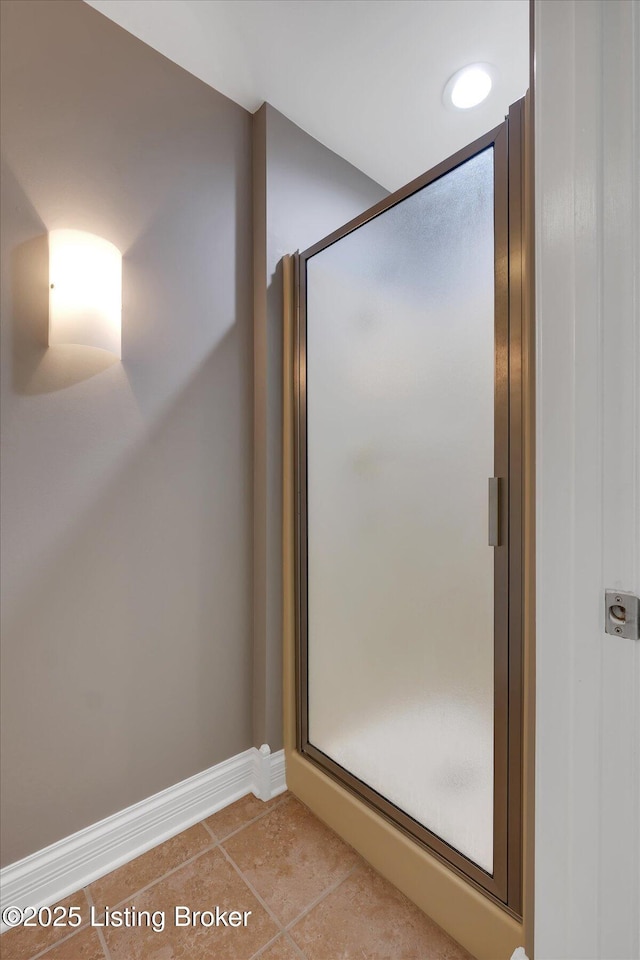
(295, 946)
(88, 898)
(265, 946)
(325, 893)
(282, 930)
(56, 943)
(101, 937)
(209, 830)
(52, 946)
(215, 842)
(103, 944)
(287, 927)
(212, 846)
(314, 903)
(266, 906)
(264, 813)
(164, 876)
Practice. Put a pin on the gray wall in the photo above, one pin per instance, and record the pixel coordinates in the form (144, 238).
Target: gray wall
(302, 192)
(134, 653)
(126, 659)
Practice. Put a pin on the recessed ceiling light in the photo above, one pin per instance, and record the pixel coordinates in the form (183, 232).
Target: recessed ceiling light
(469, 86)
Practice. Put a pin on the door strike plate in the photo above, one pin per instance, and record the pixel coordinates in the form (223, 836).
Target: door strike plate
(621, 614)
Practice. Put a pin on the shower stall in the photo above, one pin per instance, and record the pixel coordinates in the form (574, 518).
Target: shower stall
(405, 509)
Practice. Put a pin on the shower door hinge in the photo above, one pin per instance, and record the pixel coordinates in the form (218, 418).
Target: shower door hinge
(621, 614)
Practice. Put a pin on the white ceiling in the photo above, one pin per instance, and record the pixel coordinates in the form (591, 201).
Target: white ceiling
(365, 77)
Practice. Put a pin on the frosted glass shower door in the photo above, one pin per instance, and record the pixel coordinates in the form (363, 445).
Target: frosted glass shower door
(403, 344)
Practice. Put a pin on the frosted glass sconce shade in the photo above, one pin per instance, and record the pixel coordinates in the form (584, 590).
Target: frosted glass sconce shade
(85, 291)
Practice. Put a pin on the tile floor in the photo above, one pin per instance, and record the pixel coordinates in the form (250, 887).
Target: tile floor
(310, 896)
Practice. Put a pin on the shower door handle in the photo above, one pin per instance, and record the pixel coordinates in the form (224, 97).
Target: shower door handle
(494, 511)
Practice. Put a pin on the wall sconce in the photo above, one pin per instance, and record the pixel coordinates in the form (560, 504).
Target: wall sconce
(85, 291)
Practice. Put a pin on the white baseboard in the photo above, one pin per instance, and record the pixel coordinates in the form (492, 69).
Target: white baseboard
(53, 873)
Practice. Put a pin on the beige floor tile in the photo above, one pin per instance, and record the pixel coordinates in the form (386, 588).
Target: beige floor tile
(21, 943)
(280, 949)
(238, 814)
(366, 918)
(82, 946)
(131, 877)
(208, 881)
(290, 857)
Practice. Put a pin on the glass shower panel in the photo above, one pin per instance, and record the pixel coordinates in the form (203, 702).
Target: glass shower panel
(400, 443)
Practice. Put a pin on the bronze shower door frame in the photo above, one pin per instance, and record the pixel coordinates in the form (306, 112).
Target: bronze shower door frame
(504, 885)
